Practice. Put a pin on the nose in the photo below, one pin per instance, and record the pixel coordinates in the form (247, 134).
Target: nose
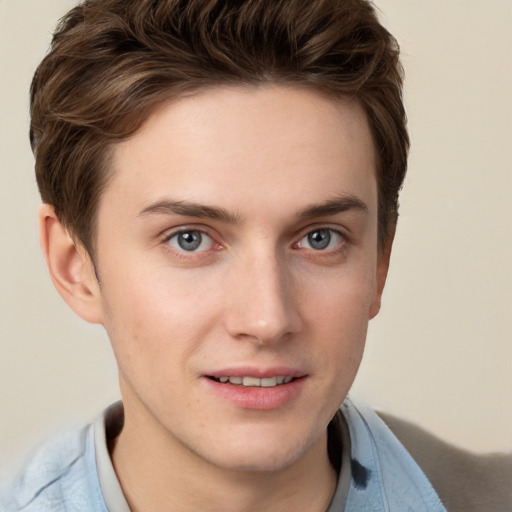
(261, 306)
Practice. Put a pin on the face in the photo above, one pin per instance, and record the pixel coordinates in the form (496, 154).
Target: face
(238, 264)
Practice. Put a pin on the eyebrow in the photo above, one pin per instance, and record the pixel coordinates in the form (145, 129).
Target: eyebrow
(334, 206)
(192, 209)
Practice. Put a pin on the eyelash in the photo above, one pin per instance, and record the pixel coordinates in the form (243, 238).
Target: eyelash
(330, 232)
(183, 253)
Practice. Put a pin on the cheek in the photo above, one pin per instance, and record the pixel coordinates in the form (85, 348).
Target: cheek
(153, 322)
(343, 326)
(343, 300)
(338, 313)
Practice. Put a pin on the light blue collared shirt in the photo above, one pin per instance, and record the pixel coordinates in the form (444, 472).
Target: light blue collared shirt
(65, 474)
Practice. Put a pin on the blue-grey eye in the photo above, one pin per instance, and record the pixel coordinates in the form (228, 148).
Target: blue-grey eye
(321, 239)
(191, 241)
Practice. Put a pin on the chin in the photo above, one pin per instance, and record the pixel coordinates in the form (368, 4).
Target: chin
(258, 463)
(261, 454)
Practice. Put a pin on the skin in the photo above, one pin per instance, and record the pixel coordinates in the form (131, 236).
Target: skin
(255, 294)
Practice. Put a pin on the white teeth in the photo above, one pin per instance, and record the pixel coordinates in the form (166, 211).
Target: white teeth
(251, 381)
(269, 382)
(266, 382)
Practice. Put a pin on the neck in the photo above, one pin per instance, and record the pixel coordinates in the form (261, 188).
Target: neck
(157, 474)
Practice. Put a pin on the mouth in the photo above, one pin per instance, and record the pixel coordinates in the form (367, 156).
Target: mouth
(262, 390)
(254, 382)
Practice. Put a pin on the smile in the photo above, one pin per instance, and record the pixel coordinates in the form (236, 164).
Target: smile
(248, 381)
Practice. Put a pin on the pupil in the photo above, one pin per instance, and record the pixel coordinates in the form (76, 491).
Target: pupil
(319, 239)
(189, 240)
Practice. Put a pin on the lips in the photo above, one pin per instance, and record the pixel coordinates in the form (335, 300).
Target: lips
(249, 381)
(250, 388)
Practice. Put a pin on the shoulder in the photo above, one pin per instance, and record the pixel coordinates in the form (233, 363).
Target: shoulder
(384, 475)
(464, 481)
(60, 476)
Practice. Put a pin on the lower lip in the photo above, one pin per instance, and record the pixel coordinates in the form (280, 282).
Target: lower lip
(257, 398)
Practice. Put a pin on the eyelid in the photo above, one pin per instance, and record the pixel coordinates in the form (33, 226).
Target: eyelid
(310, 228)
(205, 231)
(205, 242)
(338, 230)
(167, 234)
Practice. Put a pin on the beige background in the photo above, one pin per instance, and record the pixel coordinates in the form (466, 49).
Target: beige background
(440, 352)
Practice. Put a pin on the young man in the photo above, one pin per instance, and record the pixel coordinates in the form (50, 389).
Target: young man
(220, 185)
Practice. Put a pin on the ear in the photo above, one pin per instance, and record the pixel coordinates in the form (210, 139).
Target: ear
(383, 257)
(70, 266)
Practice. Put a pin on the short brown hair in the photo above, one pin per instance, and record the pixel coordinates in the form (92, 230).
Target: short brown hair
(112, 62)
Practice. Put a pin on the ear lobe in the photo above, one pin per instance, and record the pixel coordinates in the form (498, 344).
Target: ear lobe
(383, 257)
(70, 267)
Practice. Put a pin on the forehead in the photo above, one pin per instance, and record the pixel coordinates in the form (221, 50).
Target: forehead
(271, 146)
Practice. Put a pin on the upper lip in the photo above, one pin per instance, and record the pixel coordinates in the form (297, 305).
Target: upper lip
(261, 373)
